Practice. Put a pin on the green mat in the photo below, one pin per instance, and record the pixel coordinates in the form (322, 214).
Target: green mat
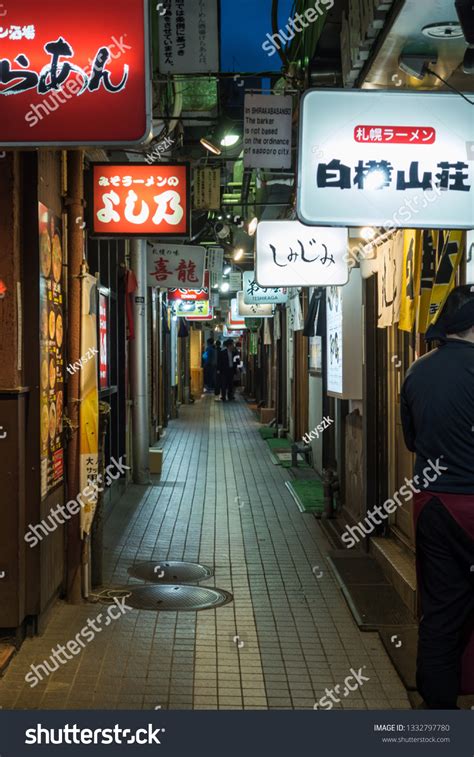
(283, 444)
(266, 433)
(308, 495)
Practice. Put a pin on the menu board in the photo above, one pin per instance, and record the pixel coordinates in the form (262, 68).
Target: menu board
(52, 350)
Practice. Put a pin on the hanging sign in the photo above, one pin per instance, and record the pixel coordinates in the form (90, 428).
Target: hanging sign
(103, 334)
(215, 260)
(267, 131)
(174, 266)
(235, 281)
(234, 320)
(253, 294)
(139, 200)
(290, 254)
(191, 295)
(207, 188)
(254, 310)
(188, 40)
(190, 309)
(89, 403)
(73, 76)
(386, 159)
(208, 317)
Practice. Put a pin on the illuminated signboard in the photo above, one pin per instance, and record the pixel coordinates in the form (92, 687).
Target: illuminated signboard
(386, 159)
(174, 266)
(103, 343)
(290, 254)
(139, 200)
(74, 74)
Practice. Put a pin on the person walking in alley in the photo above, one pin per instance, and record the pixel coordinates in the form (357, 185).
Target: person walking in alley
(209, 360)
(228, 361)
(437, 410)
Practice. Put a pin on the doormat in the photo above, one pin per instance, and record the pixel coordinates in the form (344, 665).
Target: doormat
(308, 495)
(285, 460)
(266, 433)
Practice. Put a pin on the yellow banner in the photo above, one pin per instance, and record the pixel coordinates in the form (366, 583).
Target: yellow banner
(449, 261)
(410, 278)
(89, 409)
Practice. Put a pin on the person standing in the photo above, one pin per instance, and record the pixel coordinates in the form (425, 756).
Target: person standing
(228, 366)
(217, 373)
(437, 411)
(208, 361)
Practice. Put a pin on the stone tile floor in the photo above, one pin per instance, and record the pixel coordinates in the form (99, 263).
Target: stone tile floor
(222, 502)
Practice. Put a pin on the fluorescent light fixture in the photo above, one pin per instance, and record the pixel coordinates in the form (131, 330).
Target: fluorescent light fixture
(227, 270)
(238, 254)
(225, 286)
(210, 146)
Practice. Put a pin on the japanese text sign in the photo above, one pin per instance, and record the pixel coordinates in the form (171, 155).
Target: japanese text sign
(192, 309)
(388, 159)
(174, 266)
(290, 254)
(74, 74)
(191, 295)
(253, 294)
(254, 310)
(139, 200)
(188, 36)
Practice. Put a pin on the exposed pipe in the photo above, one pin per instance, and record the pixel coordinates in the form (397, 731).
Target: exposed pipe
(138, 366)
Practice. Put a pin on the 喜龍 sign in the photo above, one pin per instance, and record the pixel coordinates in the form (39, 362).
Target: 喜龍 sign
(387, 159)
(74, 74)
(139, 200)
(253, 294)
(176, 266)
(290, 254)
(191, 295)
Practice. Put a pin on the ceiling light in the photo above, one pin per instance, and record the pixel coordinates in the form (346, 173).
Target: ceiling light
(227, 270)
(238, 254)
(253, 226)
(210, 146)
(229, 140)
(225, 286)
(367, 233)
(443, 30)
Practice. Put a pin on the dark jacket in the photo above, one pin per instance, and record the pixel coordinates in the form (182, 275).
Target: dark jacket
(223, 361)
(437, 411)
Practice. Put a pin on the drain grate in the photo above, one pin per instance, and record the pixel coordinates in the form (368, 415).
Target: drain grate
(171, 571)
(177, 597)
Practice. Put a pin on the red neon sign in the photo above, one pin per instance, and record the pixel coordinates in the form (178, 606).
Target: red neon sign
(74, 74)
(135, 199)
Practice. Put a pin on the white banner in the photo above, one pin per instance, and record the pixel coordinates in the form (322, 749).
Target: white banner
(188, 36)
(177, 266)
(291, 254)
(386, 159)
(254, 310)
(267, 131)
(253, 294)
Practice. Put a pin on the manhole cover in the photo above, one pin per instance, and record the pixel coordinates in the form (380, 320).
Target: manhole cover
(177, 597)
(171, 571)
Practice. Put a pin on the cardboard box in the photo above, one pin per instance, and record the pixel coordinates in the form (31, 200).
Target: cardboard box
(155, 460)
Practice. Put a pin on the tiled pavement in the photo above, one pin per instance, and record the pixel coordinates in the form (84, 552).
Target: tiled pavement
(220, 501)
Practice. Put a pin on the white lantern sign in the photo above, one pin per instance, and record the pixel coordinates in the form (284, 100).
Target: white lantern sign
(290, 254)
(386, 159)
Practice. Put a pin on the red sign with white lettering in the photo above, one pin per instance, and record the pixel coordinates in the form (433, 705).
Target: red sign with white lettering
(74, 73)
(191, 295)
(395, 135)
(139, 200)
(103, 336)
